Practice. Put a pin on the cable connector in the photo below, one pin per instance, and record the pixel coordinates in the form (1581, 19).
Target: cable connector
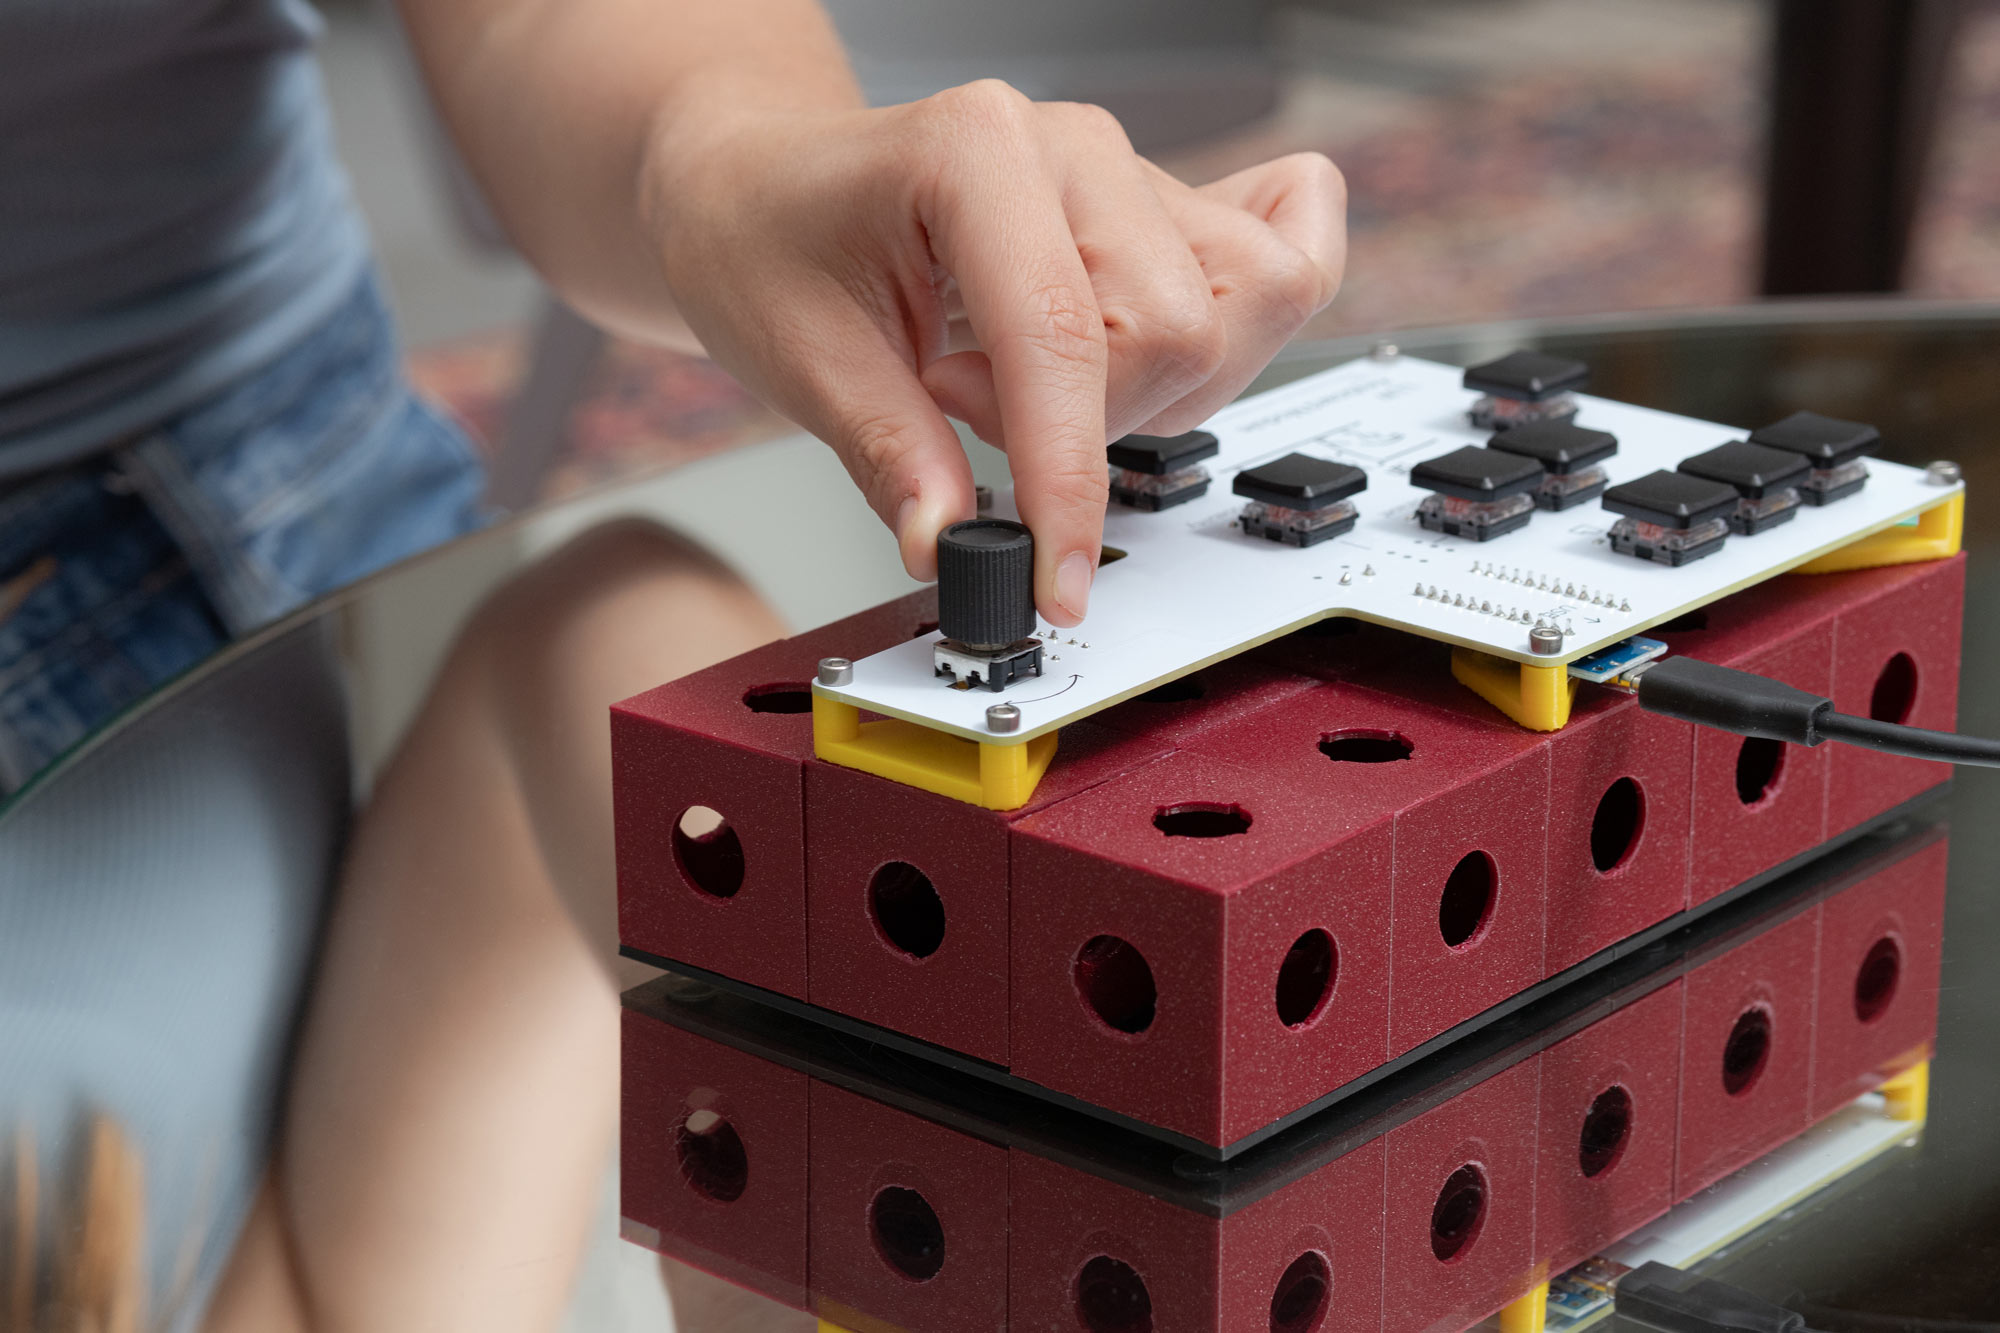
(1717, 696)
(1664, 1297)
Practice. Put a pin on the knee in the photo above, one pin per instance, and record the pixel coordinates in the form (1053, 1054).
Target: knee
(616, 610)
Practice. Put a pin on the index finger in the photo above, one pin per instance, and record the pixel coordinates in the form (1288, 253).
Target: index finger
(1000, 229)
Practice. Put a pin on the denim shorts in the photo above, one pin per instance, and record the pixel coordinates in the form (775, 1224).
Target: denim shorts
(118, 574)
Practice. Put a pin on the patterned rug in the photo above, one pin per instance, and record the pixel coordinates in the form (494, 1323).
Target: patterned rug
(1563, 193)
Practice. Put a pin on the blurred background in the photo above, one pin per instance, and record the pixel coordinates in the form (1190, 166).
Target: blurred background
(1506, 158)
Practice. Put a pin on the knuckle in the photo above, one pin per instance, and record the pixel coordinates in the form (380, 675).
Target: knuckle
(1197, 344)
(1092, 122)
(875, 449)
(1294, 286)
(1067, 326)
(984, 104)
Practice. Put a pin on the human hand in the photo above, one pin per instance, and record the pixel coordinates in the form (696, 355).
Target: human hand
(823, 257)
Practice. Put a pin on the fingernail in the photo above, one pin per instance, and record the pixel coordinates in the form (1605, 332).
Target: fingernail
(1073, 583)
(903, 513)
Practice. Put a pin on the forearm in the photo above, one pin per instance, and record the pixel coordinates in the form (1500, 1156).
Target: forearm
(556, 105)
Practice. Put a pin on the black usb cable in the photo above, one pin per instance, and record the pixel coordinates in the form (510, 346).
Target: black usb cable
(1748, 705)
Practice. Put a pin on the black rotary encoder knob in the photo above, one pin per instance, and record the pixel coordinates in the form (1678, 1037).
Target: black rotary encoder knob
(986, 583)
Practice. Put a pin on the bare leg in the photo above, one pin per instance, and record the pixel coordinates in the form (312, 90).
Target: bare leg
(457, 1087)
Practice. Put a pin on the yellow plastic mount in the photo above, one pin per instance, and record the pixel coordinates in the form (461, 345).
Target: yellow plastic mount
(998, 777)
(1537, 697)
(1527, 1313)
(1909, 1093)
(1938, 532)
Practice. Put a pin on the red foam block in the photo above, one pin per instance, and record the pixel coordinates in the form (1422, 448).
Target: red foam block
(730, 738)
(1461, 792)
(1880, 943)
(1459, 1224)
(1311, 1251)
(1896, 658)
(908, 894)
(909, 1219)
(1609, 1123)
(713, 1156)
(1747, 1052)
(1216, 696)
(1619, 796)
(1204, 984)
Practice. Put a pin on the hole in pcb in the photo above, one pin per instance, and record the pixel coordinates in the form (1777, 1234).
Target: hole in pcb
(1459, 1213)
(907, 1233)
(1467, 900)
(907, 909)
(783, 698)
(1747, 1051)
(1304, 1291)
(1185, 690)
(1606, 1127)
(1365, 747)
(1116, 984)
(1760, 763)
(1875, 983)
(1202, 819)
(1615, 828)
(1305, 978)
(1111, 1297)
(707, 852)
(711, 1155)
(1895, 690)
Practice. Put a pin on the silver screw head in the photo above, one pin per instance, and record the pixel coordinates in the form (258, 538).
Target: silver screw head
(1944, 473)
(1384, 351)
(1545, 640)
(836, 671)
(982, 498)
(1003, 717)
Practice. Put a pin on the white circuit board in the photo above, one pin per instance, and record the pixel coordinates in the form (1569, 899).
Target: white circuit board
(1193, 588)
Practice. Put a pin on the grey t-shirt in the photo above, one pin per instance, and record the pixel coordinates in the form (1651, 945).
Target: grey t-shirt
(172, 214)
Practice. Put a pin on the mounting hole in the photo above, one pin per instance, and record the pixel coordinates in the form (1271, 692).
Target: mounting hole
(1875, 984)
(1606, 1126)
(1747, 1051)
(1687, 623)
(1467, 901)
(1365, 747)
(1201, 819)
(781, 698)
(1182, 691)
(1459, 1213)
(907, 1233)
(707, 852)
(1305, 978)
(1111, 1297)
(1759, 765)
(907, 909)
(711, 1154)
(1895, 690)
(1615, 828)
(1304, 1290)
(1116, 983)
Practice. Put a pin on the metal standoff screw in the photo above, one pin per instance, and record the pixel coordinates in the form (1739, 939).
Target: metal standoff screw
(1545, 640)
(836, 671)
(982, 498)
(1003, 717)
(1944, 473)
(1384, 351)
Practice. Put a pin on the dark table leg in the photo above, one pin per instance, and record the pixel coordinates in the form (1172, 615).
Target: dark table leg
(1855, 89)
